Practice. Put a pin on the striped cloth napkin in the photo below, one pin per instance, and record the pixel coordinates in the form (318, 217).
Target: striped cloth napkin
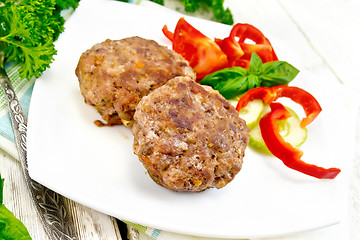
(162, 235)
(23, 89)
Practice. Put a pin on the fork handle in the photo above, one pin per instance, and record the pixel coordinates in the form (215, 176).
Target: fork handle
(49, 205)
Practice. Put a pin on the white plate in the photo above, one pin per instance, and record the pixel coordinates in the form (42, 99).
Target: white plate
(96, 166)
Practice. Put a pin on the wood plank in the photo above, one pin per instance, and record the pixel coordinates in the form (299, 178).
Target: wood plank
(313, 44)
(16, 197)
(92, 224)
(270, 17)
(89, 223)
(332, 29)
(317, 48)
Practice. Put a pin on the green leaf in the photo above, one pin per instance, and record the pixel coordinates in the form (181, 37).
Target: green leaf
(28, 29)
(253, 81)
(11, 228)
(66, 4)
(191, 5)
(161, 2)
(220, 14)
(277, 73)
(233, 87)
(231, 82)
(216, 6)
(255, 64)
(1, 189)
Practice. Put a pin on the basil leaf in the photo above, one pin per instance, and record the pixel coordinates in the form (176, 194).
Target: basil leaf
(229, 82)
(253, 81)
(277, 73)
(1, 189)
(231, 88)
(255, 64)
(11, 228)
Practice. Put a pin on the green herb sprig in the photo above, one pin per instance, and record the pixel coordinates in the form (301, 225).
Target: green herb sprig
(231, 82)
(28, 29)
(216, 6)
(10, 226)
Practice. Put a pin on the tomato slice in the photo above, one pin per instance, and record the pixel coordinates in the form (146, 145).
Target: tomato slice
(167, 33)
(203, 54)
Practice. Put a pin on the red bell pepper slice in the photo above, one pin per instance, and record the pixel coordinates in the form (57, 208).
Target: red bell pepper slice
(267, 95)
(203, 54)
(283, 150)
(239, 52)
(309, 103)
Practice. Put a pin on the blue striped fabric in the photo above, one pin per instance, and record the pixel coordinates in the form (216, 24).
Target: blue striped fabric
(24, 89)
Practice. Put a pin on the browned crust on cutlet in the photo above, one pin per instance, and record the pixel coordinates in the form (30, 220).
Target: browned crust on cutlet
(188, 137)
(114, 75)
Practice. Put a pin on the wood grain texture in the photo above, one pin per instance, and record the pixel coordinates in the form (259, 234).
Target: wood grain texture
(323, 35)
(89, 223)
(331, 28)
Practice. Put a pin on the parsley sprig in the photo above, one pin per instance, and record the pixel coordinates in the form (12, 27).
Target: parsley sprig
(216, 6)
(28, 29)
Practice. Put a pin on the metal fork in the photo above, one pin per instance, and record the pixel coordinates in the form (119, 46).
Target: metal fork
(50, 205)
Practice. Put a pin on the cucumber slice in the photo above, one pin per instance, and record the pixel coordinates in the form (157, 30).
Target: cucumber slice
(290, 130)
(256, 140)
(251, 113)
(294, 134)
(233, 102)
